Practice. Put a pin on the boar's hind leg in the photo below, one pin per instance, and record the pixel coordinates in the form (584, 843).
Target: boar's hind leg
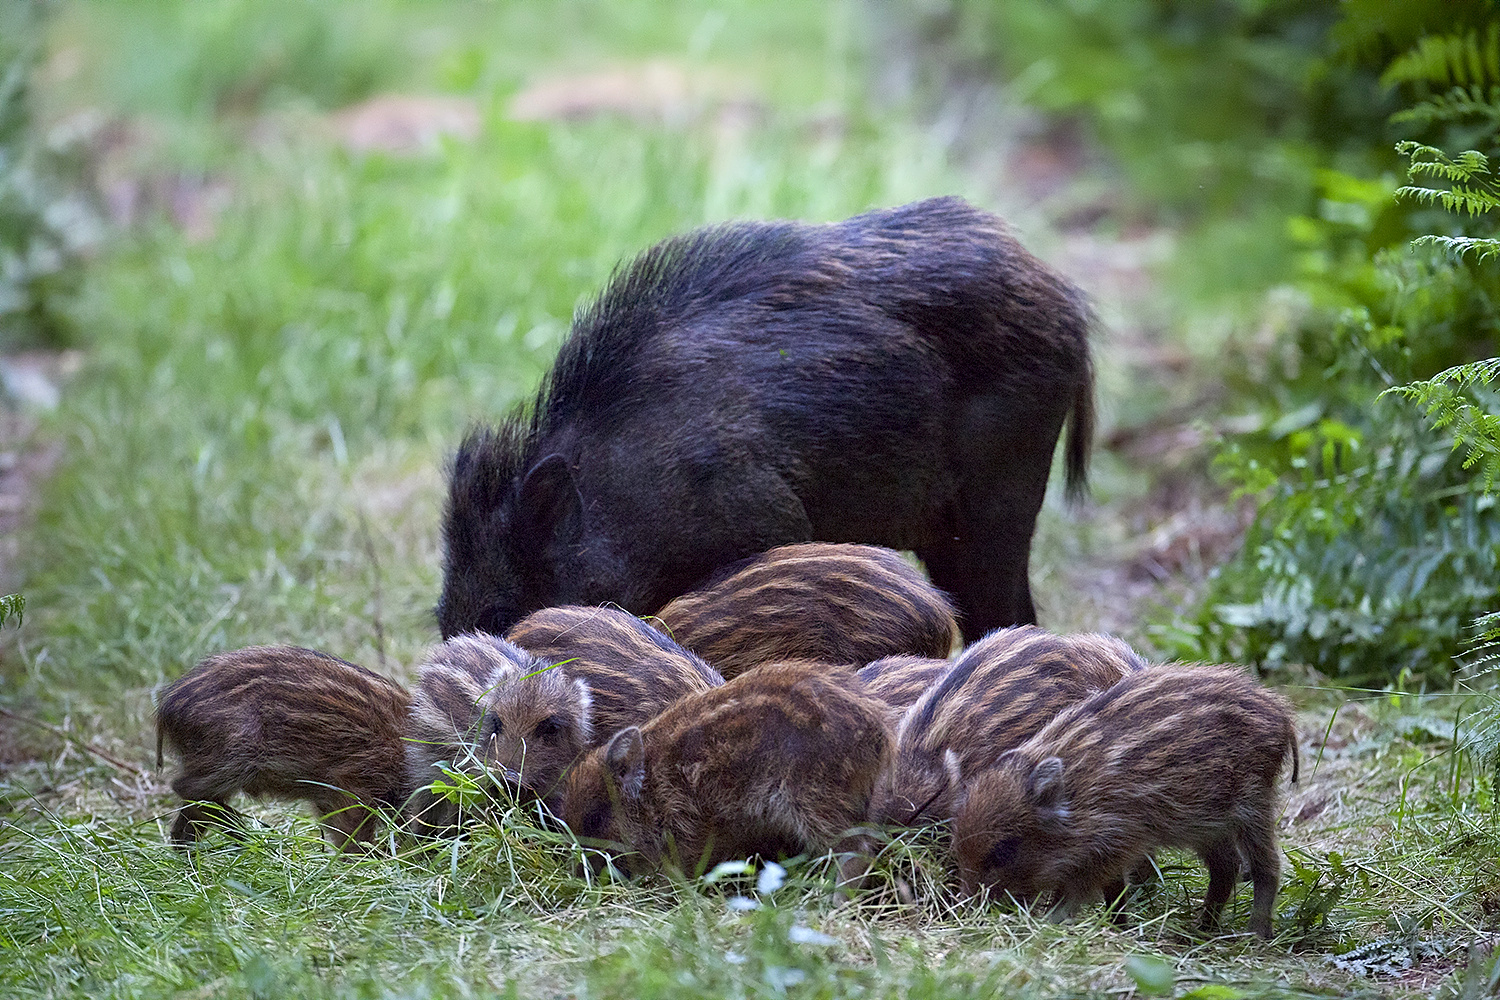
(1003, 461)
(988, 593)
(207, 793)
(1223, 861)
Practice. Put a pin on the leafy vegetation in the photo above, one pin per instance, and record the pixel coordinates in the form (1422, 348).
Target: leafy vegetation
(1271, 136)
(1378, 543)
(46, 218)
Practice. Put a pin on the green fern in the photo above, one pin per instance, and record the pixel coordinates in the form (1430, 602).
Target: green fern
(12, 606)
(1481, 737)
(1472, 426)
(1460, 60)
(1470, 190)
(1458, 104)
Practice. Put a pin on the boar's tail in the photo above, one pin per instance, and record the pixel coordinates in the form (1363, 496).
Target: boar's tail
(159, 735)
(1080, 436)
(1296, 761)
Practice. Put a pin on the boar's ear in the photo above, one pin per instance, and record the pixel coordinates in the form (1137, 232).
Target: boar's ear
(549, 510)
(625, 756)
(1044, 786)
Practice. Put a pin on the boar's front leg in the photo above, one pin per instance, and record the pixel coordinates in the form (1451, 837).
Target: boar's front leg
(1003, 458)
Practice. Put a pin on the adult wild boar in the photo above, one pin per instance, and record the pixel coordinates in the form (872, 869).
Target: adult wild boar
(900, 378)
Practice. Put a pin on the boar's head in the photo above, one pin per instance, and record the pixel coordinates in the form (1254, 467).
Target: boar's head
(604, 804)
(511, 535)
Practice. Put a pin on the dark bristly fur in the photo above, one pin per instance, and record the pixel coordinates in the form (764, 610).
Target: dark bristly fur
(994, 697)
(845, 604)
(780, 760)
(1175, 756)
(899, 378)
(289, 723)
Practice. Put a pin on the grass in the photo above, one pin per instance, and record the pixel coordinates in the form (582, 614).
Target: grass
(254, 454)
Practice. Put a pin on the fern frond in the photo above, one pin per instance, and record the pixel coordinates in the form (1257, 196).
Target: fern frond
(1456, 105)
(1470, 189)
(1448, 60)
(1473, 428)
(12, 606)
(1462, 246)
(1484, 372)
(1473, 201)
(1439, 389)
(1434, 162)
(1481, 736)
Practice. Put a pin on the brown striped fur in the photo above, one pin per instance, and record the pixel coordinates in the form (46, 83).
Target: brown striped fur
(843, 604)
(780, 760)
(289, 723)
(1175, 756)
(633, 671)
(900, 680)
(994, 697)
(464, 714)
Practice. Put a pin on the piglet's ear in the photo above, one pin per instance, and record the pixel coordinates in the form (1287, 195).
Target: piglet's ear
(1044, 786)
(625, 756)
(951, 769)
(549, 510)
(585, 734)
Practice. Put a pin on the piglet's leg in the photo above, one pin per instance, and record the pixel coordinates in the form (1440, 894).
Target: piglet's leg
(347, 823)
(1223, 861)
(1265, 873)
(1115, 892)
(197, 818)
(854, 863)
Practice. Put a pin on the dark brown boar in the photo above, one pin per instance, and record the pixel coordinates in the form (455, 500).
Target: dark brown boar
(899, 378)
(451, 722)
(900, 680)
(830, 603)
(780, 760)
(289, 723)
(994, 697)
(1174, 756)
